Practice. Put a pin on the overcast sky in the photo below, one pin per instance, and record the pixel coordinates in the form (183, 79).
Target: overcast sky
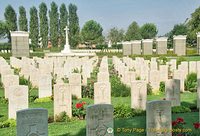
(120, 13)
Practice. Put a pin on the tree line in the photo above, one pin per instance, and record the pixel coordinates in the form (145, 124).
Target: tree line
(42, 26)
(52, 27)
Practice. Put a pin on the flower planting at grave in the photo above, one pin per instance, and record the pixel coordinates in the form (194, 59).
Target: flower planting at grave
(79, 110)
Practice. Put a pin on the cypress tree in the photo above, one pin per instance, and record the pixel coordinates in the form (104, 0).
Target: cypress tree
(33, 26)
(11, 20)
(43, 24)
(54, 23)
(63, 23)
(74, 29)
(23, 26)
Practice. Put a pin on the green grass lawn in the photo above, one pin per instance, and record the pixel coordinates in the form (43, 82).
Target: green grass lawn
(78, 128)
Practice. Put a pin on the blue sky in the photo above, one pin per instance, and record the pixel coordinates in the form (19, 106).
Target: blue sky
(121, 13)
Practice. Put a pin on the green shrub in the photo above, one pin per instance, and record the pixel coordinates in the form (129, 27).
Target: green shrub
(191, 82)
(45, 99)
(1, 84)
(74, 97)
(117, 88)
(88, 91)
(61, 117)
(3, 100)
(8, 123)
(138, 78)
(23, 81)
(180, 109)
(65, 80)
(162, 86)
(149, 89)
(125, 111)
(179, 60)
(50, 118)
(162, 60)
(17, 70)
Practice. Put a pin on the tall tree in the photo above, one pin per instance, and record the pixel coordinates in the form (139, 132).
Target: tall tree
(133, 32)
(92, 32)
(116, 35)
(63, 23)
(3, 29)
(74, 29)
(54, 24)
(33, 26)
(194, 24)
(148, 31)
(23, 25)
(43, 24)
(11, 20)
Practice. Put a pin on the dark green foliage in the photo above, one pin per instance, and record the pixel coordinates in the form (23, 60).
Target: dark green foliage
(117, 88)
(54, 24)
(61, 117)
(74, 97)
(162, 60)
(11, 20)
(3, 29)
(125, 111)
(44, 29)
(138, 78)
(74, 29)
(50, 118)
(101, 46)
(63, 23)
(3, 100)
(191, 82)
(149, 89)
(5, 46)
(33, 26)
(92, 32)
(23, 81)
(179, 60)
(133, 32)
(8, 123)
(116, 35)
(194, 25)
(148, 31)
(180, 109)
(162, 86)
(179, 29)
(1, 84)
(88, 91)
(23, 23)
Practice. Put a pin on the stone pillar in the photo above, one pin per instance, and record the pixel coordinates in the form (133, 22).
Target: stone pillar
(147, 45)
(158, 116)
(99, 120)
(161, 46)
(136, 47)
(172, 91)
(180, 45)
(198, 43)
(20, 43)
(126, 48)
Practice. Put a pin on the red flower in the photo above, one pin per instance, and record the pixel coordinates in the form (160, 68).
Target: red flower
(78, 105)
(171, 76)
(149, 82)
(72, 102)
(179, 135)
(180, 119)
(174, 123)
(83, 102)
(196, 125)
(163, 99)
(98, 63)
